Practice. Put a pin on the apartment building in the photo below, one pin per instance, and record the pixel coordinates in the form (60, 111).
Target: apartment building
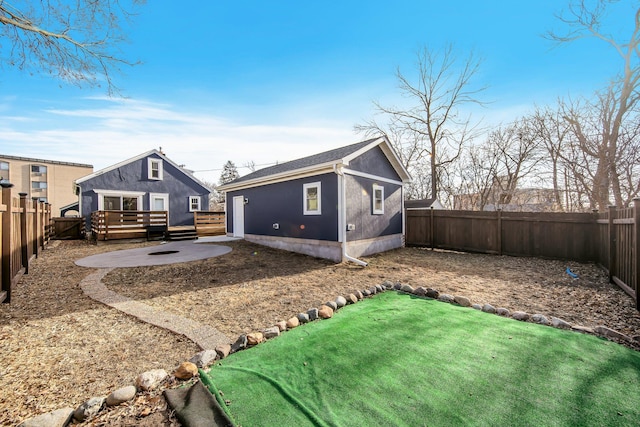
(47, 180)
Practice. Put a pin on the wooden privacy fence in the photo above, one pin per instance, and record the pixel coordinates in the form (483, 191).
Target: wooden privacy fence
(209, 223)
(611, 239)
(67, 228)
(24, 232)
(111, 225)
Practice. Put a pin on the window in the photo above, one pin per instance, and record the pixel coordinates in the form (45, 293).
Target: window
(119, 200)
(4, 166)
(194, 203)
(378, 199)
(159, 202)
(38, 170)
(37, 186)
(312, 199)
(155, 168)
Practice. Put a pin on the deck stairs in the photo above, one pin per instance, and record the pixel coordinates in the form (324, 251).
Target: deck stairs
(182, 233)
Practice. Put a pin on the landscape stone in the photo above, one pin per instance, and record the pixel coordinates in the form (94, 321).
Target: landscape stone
(57, 418)
(150, 379)
(325, 312)
(272, 332)
(445, 298)
(303, 318)
(501, 311)
(540, 318)
(407, 288)
(88, 409)
(352, 299)
(477, 306)
(432, 293)
(365, 292)
(121, 395)
(488, 308)
(204, 358)
(313, 313)
(397, 286)
(373, 290)
(186, 370)
(381, 288)
(332, 304)
(359, 295)
(255, 338)
(240, 344)
(462, 301)
(293, 322)
(223, 350)
(584, 329)
(607, 332)
(420, 291)
(520, 315)
(282, 325)
(387, 284)
(341, 301)
(559, 323)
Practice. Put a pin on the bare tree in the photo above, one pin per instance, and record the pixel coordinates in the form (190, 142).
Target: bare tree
(587, 19)
(434, 129)
(71, 40)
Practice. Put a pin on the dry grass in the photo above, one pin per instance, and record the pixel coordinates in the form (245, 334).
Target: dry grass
(58, 348)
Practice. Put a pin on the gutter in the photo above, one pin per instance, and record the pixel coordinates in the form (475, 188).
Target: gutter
(342, 217)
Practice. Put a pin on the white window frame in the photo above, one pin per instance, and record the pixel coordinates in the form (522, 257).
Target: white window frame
(305, 187)
(164, 196)
(198, 201)
(374, 198)
(110, 193)
(150, 162)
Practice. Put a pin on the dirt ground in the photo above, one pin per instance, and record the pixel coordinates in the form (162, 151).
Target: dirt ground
(59, 348)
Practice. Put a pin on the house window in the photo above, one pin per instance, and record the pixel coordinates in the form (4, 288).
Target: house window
(155, 168)
(159, 201)
(194, 203)
(378, 199)
(4, 166)
(119, 200)
(312, 198)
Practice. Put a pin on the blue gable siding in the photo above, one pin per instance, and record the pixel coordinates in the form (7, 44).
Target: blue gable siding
(282, 203)
(360, 209)
(374, 162)
(134, 177)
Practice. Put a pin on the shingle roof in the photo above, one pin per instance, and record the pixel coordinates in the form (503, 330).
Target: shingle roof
(423, 203)
(305, 162)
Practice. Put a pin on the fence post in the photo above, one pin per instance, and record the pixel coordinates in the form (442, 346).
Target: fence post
(499, 231)
(612, 243)
(23, 232)
(6, 244)
(636, 249)
(36, 229)
(433, 232)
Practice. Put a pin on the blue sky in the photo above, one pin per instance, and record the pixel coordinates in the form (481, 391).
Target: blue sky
(272, 81)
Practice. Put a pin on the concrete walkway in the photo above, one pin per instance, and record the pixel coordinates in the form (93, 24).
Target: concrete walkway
(206, 337)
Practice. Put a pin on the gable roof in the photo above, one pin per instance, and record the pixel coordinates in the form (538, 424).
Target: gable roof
(139, 157)
(423, 203)
(317, 163)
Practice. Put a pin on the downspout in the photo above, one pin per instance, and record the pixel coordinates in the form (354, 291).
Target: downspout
(342, 217)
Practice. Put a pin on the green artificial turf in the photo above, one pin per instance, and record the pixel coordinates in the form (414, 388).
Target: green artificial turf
(398, 360)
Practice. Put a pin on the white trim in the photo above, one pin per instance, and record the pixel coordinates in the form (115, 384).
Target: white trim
(113, 193)
(375, 188)
(150, 162)
(238, 214)
(191, 199)
(305, 187)
(370, 176)
(281, 177)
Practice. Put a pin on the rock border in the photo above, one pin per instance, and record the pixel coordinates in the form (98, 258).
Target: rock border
(153, 379)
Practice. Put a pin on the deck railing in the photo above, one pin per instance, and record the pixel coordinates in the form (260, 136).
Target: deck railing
(209, 223)
(111, 225)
